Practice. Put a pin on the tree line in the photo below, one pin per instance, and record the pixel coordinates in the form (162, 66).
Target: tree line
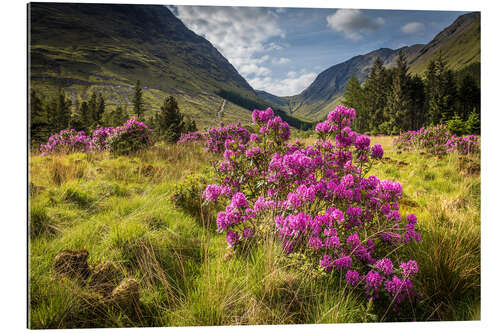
(391, 101)
(51, 114)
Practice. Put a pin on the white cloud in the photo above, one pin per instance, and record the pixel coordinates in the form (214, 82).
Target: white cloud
(253, 69)
(241, 34)
(413, 28)
(281, 61)
(293, 84)
(353, 23)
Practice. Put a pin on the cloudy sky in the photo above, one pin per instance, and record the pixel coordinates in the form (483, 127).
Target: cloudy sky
(281, 50)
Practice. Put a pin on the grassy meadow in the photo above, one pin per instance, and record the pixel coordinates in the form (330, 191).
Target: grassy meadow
(132, 211)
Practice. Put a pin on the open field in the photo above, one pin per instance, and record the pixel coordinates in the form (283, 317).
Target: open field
(123, 210)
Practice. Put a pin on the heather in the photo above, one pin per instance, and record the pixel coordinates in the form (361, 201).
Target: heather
(146, 212)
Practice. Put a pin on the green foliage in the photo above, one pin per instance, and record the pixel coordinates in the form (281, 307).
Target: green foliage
(131, 137)
(187, 195)
(39, 222)
(397, 111)
(375, 89)
(169, 121)
(473, 123)
(119, 115)
(138, 101)
(441, 90)
(39, 125)
(457, 126)
(354, 98)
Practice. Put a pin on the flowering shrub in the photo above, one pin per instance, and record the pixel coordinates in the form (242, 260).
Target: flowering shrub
(130, 137)
(99, 138)
(437, 140)
(216, 137)
(318, 201)
(192, 137)
(463, 145)
(66, 141)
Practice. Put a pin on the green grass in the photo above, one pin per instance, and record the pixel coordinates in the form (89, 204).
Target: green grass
(123, 210)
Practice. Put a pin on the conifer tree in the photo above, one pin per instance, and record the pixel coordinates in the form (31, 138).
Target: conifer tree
(77, 120)
(418, 116)
(85, 115)
(92, 110)
(99, 112)
(190, 126)
(375, 92)
(353, 98)
(119, 116)
(469, 96)
(169, 122)
(138, 101)
(441, 90)
(398, 103)
(39, 125)
(59, 112)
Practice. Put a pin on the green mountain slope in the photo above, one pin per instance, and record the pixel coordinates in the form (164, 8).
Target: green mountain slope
(459, 43)
(107, 48)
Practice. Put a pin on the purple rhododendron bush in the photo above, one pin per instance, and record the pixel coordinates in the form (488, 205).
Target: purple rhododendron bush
(318, 202)
(131, 136)
(437, 140)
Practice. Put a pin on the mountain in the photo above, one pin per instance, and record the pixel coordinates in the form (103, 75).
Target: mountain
(459, 43)
(108, 47)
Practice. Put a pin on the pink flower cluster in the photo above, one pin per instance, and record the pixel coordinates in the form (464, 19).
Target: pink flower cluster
(437, 140)
(463, 145)
(131, 135)
(317, 200)
(67, 141)
(192, 137)
(100, 136)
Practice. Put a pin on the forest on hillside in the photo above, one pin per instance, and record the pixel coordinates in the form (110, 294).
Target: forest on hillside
(392, 100)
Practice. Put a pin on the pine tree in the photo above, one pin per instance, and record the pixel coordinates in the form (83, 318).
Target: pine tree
(77, 120)
(398, 102)
(85, 115)
(59, 112)
(418, 116)
(99, 112)
(118, 116)
(473, 123)
(39, 125)
(375, 92)
(169, 121)
(190, 126)
(353, 98)
(92, 110)
(138, 102)
(441, 91)
(469, 96)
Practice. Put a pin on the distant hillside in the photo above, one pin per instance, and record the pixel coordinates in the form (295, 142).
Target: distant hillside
(108, 47)
(459, 43)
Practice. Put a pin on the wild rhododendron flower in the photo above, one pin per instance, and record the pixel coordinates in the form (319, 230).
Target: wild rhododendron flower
(316, 199)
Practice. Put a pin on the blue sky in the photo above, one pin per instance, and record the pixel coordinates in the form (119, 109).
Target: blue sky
(281, 50)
